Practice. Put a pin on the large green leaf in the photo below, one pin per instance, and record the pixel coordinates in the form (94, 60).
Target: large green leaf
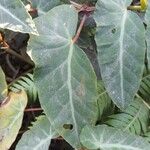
(13, 16)
(38, 137)
(121, 46)
(3, 86)
(11, 115)
(147, 14)
(107, 138)
(147, 20)
(64, 77)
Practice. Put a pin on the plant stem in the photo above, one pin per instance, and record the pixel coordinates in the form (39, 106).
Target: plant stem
(83, 7)
(33, 109)
(134, 8)
(79, 29)
(12, 52)
(146, 104)
(76, 4)
(10, 65)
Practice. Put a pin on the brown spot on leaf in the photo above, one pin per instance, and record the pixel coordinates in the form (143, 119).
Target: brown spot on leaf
(80, 90)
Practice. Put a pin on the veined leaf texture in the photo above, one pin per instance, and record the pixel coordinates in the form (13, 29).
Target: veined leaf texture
(120, 40)
(108, 138)
(64, 77)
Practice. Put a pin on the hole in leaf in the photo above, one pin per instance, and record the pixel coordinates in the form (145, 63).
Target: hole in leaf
(68, 126)
(113, 30)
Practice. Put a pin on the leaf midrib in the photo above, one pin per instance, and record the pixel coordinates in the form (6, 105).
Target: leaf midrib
(121, 51)
(70, 88)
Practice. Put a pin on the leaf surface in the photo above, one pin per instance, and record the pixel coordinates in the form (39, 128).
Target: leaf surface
(13, 16)
(11, 115)
(44, 6)
(108, 138)
(3, 86)
(121, 48)
(64, 77)
(38, 137)
(147, 20)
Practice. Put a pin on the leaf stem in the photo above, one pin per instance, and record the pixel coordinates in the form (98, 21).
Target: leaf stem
(10, 65)
(146, 104)
(134, 8)
(79, 29)
(33, 109)
(82, 7)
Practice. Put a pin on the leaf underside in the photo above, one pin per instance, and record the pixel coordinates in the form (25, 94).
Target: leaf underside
(121, 46)
(69, 91)
(11, 115)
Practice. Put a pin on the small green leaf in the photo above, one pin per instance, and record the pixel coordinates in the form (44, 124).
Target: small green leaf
(38, 137)
(3, 86)
(121, 48)
(134, 118)
(64, 77)
(25, 83)
(108, 138)
(144, 89)
(13, 16)
(11, 115)
(105, 104)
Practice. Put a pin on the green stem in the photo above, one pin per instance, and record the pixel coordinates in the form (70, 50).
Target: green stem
(33, 109)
